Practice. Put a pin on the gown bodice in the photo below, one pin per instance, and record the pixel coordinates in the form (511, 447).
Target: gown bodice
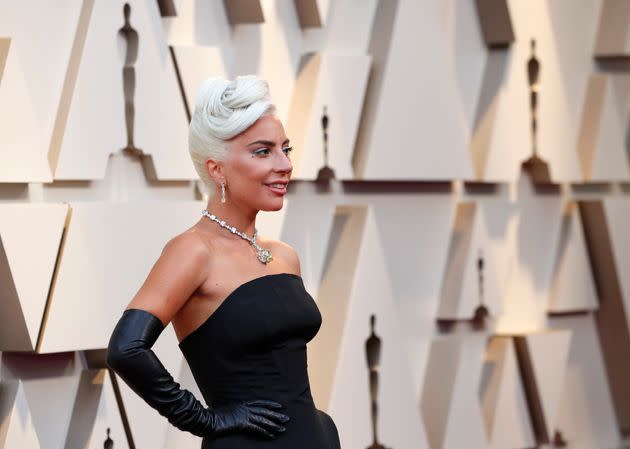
(253, 346)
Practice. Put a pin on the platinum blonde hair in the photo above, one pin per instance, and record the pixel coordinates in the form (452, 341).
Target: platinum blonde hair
(224, 109)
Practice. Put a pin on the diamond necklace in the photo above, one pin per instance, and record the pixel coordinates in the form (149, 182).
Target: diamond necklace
(264, 255)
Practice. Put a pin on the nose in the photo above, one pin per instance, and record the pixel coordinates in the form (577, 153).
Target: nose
(283, 164)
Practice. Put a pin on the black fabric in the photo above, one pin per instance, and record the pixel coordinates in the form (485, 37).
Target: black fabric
(130, 356)
(254, 346)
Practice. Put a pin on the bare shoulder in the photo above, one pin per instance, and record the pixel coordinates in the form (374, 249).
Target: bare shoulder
(189, 245)
(286, 254)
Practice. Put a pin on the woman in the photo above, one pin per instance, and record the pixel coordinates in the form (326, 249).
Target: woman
(237, 301)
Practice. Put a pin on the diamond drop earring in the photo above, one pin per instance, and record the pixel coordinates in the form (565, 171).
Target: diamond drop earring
(222, 192)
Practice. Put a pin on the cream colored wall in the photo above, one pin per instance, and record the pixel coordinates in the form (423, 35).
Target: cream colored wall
(418, 106)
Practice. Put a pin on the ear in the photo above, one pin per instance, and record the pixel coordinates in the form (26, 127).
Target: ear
(215, 170)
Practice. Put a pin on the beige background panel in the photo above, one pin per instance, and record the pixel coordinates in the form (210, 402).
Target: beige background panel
(16, 425)
(437, 391)
(347, 30)
(95, 410)
(271, 50)
(533, 235)
(613, 35)
(90, 293)
(100, 74)
(466, 410)
(309, 220)
(617, 212)
(503, 398)
(431, 142)
(24, 229)
(543, 357)
(585, 412)
(333, 298)
(51, 401)
(479, 230)
(32, 82)
(399, 419)
(414, 231)
(312, 13)
(572, 285)
(197, 23)
(338, 83)
(450, 401)
(195, 64)
(607, 145)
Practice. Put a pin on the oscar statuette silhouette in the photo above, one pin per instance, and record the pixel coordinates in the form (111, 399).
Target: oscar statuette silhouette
(481, 312)
(129, 37)
(373, 357)
(537, 168)
(108, 443)
(326, 173)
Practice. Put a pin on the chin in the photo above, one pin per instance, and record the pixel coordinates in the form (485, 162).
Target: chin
(272, 207)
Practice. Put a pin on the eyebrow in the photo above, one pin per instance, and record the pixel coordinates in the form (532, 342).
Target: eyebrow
(266, 142)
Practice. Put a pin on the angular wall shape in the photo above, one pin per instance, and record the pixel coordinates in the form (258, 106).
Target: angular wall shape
(25, 228)
(90, 134)
(337, 83)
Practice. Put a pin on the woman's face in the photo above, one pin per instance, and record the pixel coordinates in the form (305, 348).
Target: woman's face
(257, 158)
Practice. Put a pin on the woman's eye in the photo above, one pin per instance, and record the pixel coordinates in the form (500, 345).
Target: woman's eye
(262, 151)
(287, 150)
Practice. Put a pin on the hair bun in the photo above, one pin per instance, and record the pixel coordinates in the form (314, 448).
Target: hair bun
(224, 109)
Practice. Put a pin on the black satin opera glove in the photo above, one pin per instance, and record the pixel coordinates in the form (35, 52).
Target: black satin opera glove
(129, 354)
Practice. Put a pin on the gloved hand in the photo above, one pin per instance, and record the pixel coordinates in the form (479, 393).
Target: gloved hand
(129, 354)
(250, 416)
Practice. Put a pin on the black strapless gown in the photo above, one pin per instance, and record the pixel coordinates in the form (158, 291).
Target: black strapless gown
(254, 347)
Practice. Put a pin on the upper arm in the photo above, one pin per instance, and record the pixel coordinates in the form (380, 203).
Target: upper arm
(178, 272)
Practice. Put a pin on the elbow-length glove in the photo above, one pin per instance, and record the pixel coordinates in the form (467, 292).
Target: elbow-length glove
(129, 354)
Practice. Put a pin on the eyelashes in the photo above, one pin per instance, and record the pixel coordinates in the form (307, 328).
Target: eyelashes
(265, 151)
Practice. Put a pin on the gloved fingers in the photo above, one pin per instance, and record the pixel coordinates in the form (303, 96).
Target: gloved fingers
(259, 430)
(267, 424)
(265, 403)
(279, 417)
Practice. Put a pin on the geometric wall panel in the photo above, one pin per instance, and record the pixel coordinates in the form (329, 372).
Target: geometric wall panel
(96, 415)
(30, 235)
(564, 33)
(335, 82)
(450, 402)
(244, 11)
(503, 397)
(602, 141)
(271, 50)
(613, 37)
(195, 64)
(310, 238)
(90, 292)
(92, 133)
(572, 287)
(606, 228)
(532, 239)
(368, 311)
(415, 262)
(16, 422)
(41, 38)
(496, 25)
(431, 142)
(585, 415)
(543, 362)
(312, 13)
(472, 275)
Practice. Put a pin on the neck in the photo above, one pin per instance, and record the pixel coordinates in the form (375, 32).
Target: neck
(233, 215)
